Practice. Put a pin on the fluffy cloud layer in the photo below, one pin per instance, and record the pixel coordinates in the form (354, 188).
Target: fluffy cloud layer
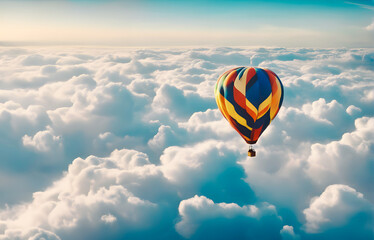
(129, 143)
(201, 217)
(337, 207)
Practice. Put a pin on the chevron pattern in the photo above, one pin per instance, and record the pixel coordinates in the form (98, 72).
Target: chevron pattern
(249, 98)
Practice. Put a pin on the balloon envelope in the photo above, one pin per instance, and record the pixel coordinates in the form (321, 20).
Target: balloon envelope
(249, 98)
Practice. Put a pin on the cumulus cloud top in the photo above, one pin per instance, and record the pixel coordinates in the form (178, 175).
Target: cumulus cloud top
(199, 214)
(370, 27)
(288, 233)
(42, 141)
(129, 143)
(339, 206)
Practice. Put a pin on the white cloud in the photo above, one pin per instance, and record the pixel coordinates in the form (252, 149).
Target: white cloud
(88, 194)
(207, 123)
(43, 141)
(173, 101)
(368, 96)
(370, 27)
(126, 188)
(157, 107)
(29, 234)
(198, 212)
(339, 206)
(322, 111)
(352, 110)
(284, 169)
(204, 169)
(288, 233)
(38, 60)
(109, 218)
(345, 161)
(164, 138)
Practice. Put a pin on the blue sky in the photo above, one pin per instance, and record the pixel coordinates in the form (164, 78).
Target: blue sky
(186, 23)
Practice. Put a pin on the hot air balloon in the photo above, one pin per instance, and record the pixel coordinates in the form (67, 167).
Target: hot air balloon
(249, 98)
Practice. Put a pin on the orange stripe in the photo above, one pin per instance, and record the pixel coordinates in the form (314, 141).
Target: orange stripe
(228, 117)
(230, 78)
(272, 80)
(251, 113)
(275, 101)
(239, 94)
(276, 91)
(251, 72)
(256, 134)
(221, 102)
(239, 98)
(260, 114)
(249, 75)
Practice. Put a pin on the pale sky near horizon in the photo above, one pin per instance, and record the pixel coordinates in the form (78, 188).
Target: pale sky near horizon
(188, 23)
